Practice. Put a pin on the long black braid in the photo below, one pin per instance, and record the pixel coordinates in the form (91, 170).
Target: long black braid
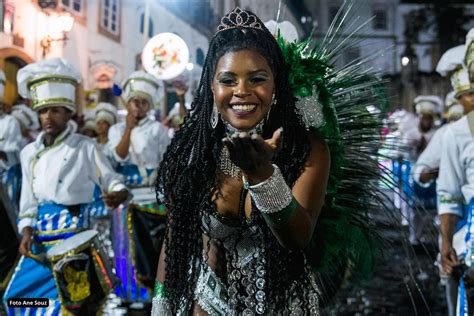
(188, 172)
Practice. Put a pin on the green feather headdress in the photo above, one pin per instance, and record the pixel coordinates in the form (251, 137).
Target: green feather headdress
(336, 103)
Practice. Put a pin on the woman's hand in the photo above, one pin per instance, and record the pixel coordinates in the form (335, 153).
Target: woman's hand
(253, 154)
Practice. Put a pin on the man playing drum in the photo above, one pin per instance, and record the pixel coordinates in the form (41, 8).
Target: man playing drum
(60, 170)
(455, 188)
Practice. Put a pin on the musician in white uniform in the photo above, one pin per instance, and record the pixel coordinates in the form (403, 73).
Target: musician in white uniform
(60, 170)
(105, 117)
(10, 146)
(450, 65)
(455, 185)
(137, 146)
(416, 139)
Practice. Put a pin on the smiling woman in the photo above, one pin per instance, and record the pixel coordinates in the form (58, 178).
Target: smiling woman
(246, 177)
(244, 182)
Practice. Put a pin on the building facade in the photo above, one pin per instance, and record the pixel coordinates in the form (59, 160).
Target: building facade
(104, 43)
(404, 39)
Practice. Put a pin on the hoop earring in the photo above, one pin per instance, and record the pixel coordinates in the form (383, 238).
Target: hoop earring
(214, 117)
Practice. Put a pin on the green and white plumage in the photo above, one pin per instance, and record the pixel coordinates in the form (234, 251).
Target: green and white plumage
(333, 102)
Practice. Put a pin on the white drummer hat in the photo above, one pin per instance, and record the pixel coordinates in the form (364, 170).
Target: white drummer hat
(27, 118)
(49, 83)
(89, 121)
(452, 64)
(107, 112)
(3, 82)
(428, 104)
(141, 84)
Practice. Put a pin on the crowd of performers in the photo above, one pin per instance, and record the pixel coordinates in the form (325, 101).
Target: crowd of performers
(250, 204)
(432, 154)
(70, 181)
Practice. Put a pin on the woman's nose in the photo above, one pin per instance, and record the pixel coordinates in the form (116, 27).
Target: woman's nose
(241, 90)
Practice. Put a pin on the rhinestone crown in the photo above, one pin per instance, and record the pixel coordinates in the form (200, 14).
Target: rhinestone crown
(239, 18)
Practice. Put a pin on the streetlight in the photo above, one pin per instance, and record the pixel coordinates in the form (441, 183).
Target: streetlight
(62, 25)
(409, 62)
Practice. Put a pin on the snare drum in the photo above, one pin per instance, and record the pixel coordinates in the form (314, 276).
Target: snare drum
(83, 273)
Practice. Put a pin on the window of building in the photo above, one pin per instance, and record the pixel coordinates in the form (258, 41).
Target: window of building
(74, 6)
(109, 19)
(380, 20)
(150, 25)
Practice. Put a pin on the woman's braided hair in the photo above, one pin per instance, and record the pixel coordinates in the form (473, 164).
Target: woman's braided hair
(188, 172)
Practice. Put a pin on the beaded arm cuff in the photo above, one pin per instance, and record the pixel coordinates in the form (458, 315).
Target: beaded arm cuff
(271, 195)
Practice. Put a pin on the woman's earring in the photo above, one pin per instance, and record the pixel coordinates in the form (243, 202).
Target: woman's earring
(274, 101)
(214, 117)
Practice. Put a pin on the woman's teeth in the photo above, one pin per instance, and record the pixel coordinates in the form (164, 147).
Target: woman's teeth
(243, 107)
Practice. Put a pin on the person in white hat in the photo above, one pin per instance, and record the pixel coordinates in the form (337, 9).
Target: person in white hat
(59, 172)
(10, 133)
(105, 117)
(88, 127)
(415, 140)
(427, 107)
(455, 185)
(29, 122)
(137, 146)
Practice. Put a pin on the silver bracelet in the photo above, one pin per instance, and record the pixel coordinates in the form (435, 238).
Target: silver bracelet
(271, 195)
(161, 307)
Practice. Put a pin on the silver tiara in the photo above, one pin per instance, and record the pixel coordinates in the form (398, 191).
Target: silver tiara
(238, 18)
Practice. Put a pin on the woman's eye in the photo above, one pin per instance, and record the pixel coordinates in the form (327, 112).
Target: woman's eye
(226, 81)
(258, 79)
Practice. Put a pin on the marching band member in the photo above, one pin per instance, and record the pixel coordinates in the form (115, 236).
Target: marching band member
(29, 122)
(137, 146)
(416, 140)
(88, 128)
(456, 180)
(10, 133)
(105, 117)
(59, 171)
